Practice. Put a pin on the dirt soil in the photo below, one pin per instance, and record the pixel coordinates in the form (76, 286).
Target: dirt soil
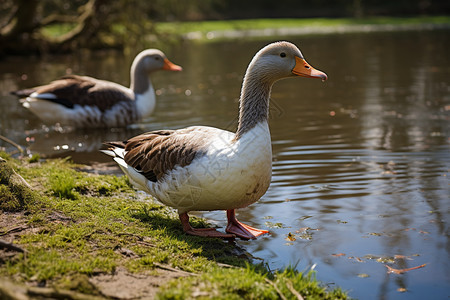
(119, 285)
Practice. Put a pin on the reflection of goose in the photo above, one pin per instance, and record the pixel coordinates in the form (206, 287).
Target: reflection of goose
(205, 168)
(83, 101)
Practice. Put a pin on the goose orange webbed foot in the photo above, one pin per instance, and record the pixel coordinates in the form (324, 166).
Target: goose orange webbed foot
(242, 230)
(203, 232)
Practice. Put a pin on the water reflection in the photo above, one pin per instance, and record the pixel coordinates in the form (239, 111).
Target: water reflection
(361, 163)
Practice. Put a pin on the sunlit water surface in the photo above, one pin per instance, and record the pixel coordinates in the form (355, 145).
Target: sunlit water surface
(360, 162)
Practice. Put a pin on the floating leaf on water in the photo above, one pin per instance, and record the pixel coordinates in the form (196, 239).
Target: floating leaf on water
(268, 217)
(371, 256)
(398, 256)
(363, 275)
(273, 225)
(303, 229)
(401, 290)
(375, 233)
(423, 232)
(290, 237)
(401, 271)
(338, 254)
(342, 222)
(304, 218)
(358, 259)
(289, 244)
(408, 229)
(305, 236)
(385, 259)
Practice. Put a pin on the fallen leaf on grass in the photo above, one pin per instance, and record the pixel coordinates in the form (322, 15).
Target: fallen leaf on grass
(401, 271)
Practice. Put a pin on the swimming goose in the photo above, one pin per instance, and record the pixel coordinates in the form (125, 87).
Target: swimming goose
(202, 168)
(82, 101)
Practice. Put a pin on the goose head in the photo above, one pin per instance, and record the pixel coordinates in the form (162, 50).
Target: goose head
(281, 60)
(144, 64)
(151, 60)
(273, 62)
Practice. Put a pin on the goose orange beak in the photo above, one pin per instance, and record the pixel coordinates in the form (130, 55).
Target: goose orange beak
(302, 68)
(170, 66)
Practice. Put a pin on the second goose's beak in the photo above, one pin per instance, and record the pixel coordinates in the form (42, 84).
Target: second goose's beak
(170, 66)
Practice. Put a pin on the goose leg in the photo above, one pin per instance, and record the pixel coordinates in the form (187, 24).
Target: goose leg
(205, 232)
(241, 230)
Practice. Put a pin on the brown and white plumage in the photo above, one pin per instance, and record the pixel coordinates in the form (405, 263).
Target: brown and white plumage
(83, 101)
(205, 168)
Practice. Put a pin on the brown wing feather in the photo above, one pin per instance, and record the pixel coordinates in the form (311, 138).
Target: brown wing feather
(86, 91)
(156, 153)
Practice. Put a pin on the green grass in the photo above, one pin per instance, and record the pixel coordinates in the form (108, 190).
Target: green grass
(78, 223)
(207, 26)
(56, 30)
(175, 30)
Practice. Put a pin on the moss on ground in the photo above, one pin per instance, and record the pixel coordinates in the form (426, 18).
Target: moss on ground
(74, 226)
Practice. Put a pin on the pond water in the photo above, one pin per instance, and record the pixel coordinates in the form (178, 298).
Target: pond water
(360, 162)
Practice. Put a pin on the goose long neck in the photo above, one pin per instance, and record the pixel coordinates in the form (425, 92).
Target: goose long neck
(139, 79)
(254, 103)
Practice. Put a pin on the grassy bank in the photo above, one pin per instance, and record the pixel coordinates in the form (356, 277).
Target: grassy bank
(229, 29)
(266, 27)
(66, 233)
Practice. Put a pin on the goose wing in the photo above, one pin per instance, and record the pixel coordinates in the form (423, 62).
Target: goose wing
(155, 153)
(80, 90)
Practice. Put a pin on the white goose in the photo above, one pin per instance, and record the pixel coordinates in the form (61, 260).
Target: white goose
(82, 101)
(203, 168)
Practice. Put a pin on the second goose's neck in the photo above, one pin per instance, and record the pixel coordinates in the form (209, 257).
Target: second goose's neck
(140, 81)
(254, 104)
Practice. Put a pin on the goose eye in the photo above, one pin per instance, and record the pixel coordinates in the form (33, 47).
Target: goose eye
(157, 57)
(282, 54)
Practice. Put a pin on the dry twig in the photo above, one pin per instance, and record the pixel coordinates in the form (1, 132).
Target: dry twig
(276, 289)
(293, 291)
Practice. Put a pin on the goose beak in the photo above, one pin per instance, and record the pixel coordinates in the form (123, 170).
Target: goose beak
(170, 66)
(302, 68)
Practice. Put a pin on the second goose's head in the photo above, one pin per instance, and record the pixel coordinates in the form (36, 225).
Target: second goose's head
(151, 60)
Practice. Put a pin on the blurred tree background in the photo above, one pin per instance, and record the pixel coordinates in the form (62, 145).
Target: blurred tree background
(33, 26)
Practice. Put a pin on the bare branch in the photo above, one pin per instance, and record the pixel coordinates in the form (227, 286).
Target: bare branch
(56, 18)
(9, 18)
